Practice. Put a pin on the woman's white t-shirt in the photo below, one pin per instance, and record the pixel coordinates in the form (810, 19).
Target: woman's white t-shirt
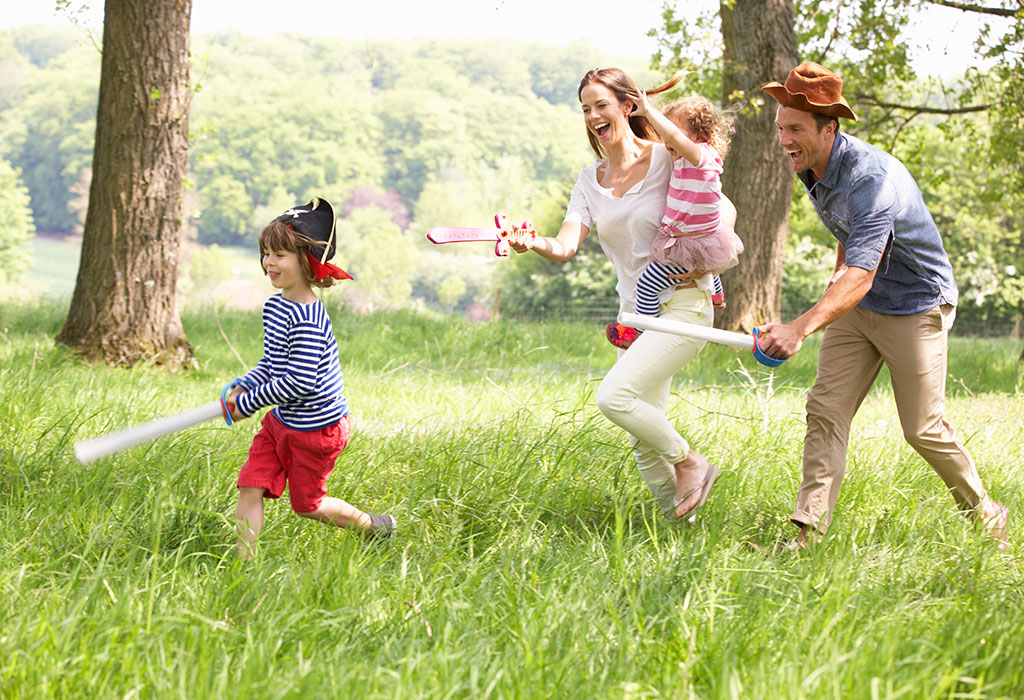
(626, 225)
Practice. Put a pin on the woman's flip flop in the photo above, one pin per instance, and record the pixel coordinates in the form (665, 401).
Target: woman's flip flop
(705, 491)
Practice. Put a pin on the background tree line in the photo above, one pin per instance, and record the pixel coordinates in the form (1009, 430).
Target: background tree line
(400, 135)
(404, 135)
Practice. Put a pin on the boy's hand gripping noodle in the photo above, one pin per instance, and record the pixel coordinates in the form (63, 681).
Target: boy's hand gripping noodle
(714, 335)
(91, 450)
(505, 232)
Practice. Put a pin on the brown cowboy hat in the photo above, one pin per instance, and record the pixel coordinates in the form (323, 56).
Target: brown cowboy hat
(812, 88)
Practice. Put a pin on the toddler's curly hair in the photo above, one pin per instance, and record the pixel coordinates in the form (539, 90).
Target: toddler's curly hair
(698, 116)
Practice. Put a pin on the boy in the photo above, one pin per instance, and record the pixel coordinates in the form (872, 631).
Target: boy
(309, 426)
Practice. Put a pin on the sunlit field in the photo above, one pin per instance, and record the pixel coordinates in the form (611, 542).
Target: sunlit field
(531, 561)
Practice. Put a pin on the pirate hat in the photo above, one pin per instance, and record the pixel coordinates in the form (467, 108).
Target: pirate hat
(315, 220)
(812, 88)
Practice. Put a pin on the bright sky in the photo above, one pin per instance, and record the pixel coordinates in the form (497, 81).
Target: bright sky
(615, 26)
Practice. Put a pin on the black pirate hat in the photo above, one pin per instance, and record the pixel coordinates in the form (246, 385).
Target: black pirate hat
(315, 220)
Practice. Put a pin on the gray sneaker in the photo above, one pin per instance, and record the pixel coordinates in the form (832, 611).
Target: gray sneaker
(382, 526)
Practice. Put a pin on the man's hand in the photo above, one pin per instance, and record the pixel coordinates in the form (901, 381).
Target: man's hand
(780, 340)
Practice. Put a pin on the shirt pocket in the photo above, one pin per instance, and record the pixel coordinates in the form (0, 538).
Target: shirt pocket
(838, 219)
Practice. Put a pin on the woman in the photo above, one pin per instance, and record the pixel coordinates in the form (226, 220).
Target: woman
(623, 195)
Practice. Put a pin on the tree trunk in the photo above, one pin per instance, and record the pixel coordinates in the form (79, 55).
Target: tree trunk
(124, 307)
(760, 46)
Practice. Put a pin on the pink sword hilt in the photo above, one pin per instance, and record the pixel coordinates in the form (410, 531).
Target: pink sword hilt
(510, 233)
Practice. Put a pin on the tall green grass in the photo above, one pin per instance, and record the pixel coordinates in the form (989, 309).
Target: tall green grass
(531, 561)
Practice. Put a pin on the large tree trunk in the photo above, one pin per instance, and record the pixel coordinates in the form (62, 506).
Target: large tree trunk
(760, 46)
(124, 308)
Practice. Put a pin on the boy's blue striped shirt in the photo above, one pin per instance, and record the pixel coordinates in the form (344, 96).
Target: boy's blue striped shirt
(299, 371)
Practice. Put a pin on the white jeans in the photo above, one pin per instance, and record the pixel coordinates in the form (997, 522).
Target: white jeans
(634, 393)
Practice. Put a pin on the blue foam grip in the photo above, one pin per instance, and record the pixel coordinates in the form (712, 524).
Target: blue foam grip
(224, 400)
(766, 360)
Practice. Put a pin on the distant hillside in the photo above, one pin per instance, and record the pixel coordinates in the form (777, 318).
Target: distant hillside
(275, 120)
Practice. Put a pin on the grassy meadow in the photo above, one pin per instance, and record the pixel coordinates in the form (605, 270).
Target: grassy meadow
(531, 561)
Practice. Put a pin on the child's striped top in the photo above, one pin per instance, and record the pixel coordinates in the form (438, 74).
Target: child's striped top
(694, 201)
(299, 371)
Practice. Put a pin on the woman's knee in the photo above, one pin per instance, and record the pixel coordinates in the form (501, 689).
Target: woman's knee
(614, 398)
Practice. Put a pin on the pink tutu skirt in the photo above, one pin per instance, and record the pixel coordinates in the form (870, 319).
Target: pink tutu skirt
(713, 252)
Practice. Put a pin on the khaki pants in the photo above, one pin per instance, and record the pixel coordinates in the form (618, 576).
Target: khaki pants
(914, 348)
(634, 393)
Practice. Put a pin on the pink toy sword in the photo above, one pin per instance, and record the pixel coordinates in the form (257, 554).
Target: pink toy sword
(504, 233)
(90, 450)
(715, 335)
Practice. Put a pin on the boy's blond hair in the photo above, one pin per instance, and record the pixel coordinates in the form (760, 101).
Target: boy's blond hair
(698, 116)
(279, 236)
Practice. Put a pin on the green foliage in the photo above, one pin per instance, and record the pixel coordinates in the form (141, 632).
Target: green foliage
(47, 133)
(806, 270)
(41, 44)
(451, 291)
(17, 226)
(982, 229)
(379, 255)
(204, 270)
(530, 561)
(428, 110)
(228, 222)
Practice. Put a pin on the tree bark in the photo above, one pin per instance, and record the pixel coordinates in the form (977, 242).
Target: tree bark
(759, 46)
(124, 309)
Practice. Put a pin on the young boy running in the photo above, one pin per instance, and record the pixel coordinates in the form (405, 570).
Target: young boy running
(301, 377)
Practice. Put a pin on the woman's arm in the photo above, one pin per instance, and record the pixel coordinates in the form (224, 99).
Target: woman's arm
(560, 247)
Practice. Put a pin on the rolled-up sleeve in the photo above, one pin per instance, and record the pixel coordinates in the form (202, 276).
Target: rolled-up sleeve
(875, 201)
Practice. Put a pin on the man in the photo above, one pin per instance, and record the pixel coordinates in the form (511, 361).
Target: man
(891, 300)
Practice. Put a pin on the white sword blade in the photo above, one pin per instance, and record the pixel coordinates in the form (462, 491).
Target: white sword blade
(94, 448)
(689, 330)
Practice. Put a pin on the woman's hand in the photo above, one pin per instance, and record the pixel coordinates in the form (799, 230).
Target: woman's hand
(522, 246)
(561, 247)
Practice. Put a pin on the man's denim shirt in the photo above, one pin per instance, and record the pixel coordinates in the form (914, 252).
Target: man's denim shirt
(870, 202)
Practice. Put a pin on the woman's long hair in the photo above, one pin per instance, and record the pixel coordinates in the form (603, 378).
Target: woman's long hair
(625, 90)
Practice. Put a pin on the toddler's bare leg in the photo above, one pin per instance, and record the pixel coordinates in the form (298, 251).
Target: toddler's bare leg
(339, 513)
(249, 519)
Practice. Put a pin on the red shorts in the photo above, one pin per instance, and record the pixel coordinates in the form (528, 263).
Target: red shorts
(303, 459)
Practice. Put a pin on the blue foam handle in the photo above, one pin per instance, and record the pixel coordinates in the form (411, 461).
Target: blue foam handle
(766, 360)
(224, 400)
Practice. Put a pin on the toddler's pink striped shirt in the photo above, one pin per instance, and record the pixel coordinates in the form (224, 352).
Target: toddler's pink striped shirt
(694, 202)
